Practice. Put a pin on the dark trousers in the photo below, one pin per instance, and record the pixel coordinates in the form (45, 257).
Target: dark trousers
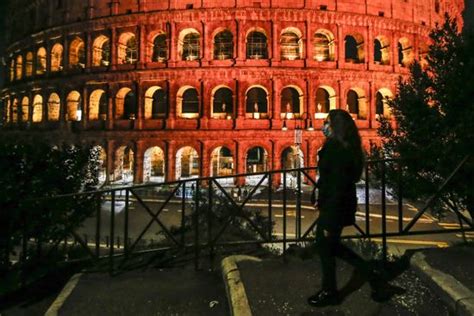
(328, 242)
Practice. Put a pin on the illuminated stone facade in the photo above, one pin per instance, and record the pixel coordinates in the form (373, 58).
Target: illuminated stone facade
(177, 88)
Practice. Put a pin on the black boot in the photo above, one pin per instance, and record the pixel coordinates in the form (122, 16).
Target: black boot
(324, 298)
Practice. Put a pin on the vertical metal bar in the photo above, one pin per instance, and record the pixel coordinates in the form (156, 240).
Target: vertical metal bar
(384, 217)
(24, 249)
(125, 228)
(400, 198)
(298, 206)
(367, 201)
(196, 226)
(209, 223)
(97, 225)
(284, 214)
(112, 232)
(270, 200)
(183, 208)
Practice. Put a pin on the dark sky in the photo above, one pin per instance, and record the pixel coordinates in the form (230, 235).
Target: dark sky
(468, 20)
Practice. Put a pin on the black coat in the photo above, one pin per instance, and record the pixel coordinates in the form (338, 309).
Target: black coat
(339, 170)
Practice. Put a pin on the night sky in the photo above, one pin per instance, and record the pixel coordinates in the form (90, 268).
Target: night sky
(468, 20)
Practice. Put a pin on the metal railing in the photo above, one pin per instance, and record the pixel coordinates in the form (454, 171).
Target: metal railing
(200, 213)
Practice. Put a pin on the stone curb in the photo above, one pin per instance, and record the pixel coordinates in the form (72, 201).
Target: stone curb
(459, 298)
(236, 296)
(53, 310)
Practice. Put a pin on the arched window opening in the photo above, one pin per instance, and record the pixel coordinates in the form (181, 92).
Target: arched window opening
(154, 165)
(101, 51)
(54, 106)
(29, 64)
(381, 51)
(127, 49)
(191, 46)
(222, 162)
(405, 52)
(290, 102)
(57, 58)
(156, 104)
(73, 106)
(15, 110)
(19, 67)
(381, 103)
(7, 111)
(257, 47)
(160, 49)
(125, 104)
(223, 45)
(190, 102)
(37, 109)
(290, 46)
(353, 103)
(257, 159)
(292, 158)
(223, 102)
(25, 109)
(102, 161)
(98, 103)
(187, 163)
(77, 54)
(322, 101)
(124, 159)
(354, 49)
(323, 46)
(12, 70)
(256, 102)
(41, 61)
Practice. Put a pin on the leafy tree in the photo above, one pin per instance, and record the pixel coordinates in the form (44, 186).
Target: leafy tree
(30, 173)
(434, 113)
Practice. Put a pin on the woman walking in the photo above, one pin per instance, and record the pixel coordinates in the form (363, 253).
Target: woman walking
(340, 165)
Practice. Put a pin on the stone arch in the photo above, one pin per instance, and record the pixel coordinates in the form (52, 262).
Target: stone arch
(156, 104)
(187, 163)
(159, 47)
(323, 45)
(256, 100)
(125, 104)
(19, 67)
(187, 102)
(354, 48)
(124, 162)
(222, 162)
(325, 101)
(25, 109)
(256, 41)
(41, 61)
(73, 106)
(12, 70)
(77, 53)
(291, 44)
(222, 100)
(15, 110)
(357, 103)
(223, 44)
(154, 165)
(97, 105)
(405, 52)
(382, 50)
(256, 159)
(127, 48)
(54, 107)
(189, 44)
(37, 109)
(29, 64)
(381, 102)
(292, 157)
(101, 51)
(57, 57)
(291, 101)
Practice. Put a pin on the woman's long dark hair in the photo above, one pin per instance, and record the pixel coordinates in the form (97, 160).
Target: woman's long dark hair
(344, 131)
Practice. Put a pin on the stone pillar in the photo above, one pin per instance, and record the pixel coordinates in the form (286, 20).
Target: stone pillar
(90, 9)
(142, 35)
(110, 110)
(239, 164)
(84, 107)
(140, 106)
(170, 172)
(276, 165)
(113, 48)
(172, 91)
(241, 40)
(369, 55)
(275, 48)
(340, 57)
(173, 49)
(110, 167)
(89, 51)
(139, 153)
(204, 110)
(371, 104)
(342, 97)
(114, 7)
(205, 160)
(276, 113)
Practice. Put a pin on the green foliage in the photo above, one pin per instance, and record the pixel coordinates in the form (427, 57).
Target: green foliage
(31, 173)
(434, 111)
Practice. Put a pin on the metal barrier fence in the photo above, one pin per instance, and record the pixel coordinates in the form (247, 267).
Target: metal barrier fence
(207, 213)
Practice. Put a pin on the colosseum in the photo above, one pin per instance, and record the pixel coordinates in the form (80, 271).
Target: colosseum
(170, 89)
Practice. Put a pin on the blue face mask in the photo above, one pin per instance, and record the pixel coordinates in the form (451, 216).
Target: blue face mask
(326, 130)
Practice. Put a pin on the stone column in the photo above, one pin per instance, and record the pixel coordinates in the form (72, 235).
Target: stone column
(275, 48)
(113, 48)
(84, 107)
(240, 164)
(340, 57)
(205, 160)
(276, 165)
(110, 167)
(110, 109)
(90, 9)
(142, 35)
(170, 172)
(89, 51)
(173, 49)
(139, 106)
(138, 153)
(172, 91)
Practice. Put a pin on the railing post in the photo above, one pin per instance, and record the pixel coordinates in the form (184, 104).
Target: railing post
(284, 214)
(97, 226)
(112, 232)
(400, 198)
(298, 206)
(183, 209)
(270, 199)
(196, 227)
(209, 224)
(384, 217)
(125, 228)
(367, 201)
